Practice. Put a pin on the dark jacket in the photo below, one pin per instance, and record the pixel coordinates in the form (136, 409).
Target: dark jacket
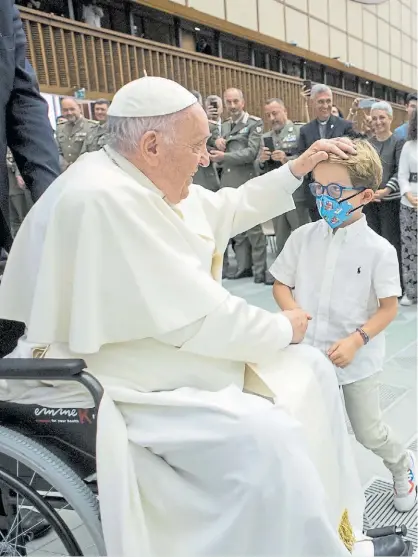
(309, 133)
(390, 153)
(24, 122)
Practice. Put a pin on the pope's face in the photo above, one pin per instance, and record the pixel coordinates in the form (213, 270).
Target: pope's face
(181, 158)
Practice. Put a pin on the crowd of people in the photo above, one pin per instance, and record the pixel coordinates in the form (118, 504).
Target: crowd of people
(240, 149)
(216, 415)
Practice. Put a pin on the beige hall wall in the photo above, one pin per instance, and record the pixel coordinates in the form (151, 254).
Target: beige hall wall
(380, 39)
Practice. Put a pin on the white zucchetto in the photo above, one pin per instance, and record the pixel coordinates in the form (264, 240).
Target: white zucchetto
(150, 96)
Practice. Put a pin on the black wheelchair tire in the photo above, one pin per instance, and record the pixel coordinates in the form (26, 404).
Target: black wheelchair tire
(46, 511)
(58, 474)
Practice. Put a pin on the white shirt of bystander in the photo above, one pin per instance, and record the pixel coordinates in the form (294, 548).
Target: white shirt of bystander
(408, 165)
(92, 15)
(339, 278)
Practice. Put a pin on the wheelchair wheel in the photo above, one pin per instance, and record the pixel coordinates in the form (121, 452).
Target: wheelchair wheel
(51, 486)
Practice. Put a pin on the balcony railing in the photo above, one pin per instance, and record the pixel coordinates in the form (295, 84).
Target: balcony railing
(69, 55)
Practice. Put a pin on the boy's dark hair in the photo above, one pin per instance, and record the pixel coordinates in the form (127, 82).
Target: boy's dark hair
(412, 128)
(411, 97)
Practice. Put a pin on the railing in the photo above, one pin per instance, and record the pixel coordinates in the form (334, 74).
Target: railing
(69, 55)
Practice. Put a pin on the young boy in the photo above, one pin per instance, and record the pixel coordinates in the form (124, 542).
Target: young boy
(347, 278)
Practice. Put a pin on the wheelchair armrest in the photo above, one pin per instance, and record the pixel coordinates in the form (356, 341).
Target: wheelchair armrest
(52, 370)
(42, 368)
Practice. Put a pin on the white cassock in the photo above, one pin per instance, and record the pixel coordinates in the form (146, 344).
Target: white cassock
(103, 268)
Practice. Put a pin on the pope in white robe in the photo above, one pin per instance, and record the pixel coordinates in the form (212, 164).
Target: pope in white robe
(119, 264)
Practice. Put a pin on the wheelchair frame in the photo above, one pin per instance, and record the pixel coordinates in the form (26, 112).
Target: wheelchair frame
(53, 370)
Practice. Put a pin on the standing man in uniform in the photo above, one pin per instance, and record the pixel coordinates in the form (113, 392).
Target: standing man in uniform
(72, 135)
(97, 137)
(279, 145)
(237, 151)
(20, 200)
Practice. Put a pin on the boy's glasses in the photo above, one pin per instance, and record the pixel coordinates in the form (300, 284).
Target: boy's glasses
(333, 190)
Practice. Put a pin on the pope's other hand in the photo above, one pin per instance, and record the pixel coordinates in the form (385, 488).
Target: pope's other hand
(299, 320)
(318, 152)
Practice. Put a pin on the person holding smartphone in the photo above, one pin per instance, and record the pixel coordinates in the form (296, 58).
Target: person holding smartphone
(208, 176)
(277, 147)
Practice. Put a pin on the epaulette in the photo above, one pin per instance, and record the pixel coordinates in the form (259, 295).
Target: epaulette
(254, 117)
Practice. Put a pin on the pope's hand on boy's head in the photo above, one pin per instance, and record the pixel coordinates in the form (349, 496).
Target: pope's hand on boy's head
(341, 147)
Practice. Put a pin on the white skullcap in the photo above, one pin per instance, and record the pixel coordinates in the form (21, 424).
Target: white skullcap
(150, 96)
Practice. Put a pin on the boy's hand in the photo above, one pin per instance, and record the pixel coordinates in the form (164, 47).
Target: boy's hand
(343, 351)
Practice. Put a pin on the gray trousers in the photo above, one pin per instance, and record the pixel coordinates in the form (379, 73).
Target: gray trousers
(251, 245)
(363, 408)
(285, 224)
(19, 205)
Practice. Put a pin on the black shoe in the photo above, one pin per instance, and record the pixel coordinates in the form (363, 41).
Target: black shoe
(392, 546)
(259, 279)
(35, 526)
(246, 273)
(269, 280)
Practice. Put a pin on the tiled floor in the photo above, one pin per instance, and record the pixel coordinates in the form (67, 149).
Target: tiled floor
(398, 401)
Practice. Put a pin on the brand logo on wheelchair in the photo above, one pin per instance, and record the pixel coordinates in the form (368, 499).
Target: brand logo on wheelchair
(64, 415)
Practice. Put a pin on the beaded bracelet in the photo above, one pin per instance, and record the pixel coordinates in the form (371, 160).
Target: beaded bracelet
(363, 335)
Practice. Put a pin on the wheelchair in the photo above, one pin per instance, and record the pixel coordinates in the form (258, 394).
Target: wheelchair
(48, 467)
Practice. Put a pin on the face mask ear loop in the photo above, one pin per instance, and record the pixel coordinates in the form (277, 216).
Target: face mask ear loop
(351, 197)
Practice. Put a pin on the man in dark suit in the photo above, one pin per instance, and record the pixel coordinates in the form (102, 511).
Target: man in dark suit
(324, 125)
(24, 123)
(25, 128)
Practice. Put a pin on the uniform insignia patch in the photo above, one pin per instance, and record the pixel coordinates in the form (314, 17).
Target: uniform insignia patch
(259, 129)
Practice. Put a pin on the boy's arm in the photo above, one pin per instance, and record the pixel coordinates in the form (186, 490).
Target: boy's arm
(283, 296)
(284, 270)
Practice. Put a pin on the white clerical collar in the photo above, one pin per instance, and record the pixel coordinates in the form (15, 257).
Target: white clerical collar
(132, 170)
(323, 122)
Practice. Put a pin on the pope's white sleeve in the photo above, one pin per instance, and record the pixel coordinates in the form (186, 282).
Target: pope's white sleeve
(235, 331)
(255, 202)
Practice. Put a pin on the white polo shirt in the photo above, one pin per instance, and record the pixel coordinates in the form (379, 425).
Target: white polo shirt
(339, 278)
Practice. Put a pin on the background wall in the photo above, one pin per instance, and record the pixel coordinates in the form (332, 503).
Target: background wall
(379, 39)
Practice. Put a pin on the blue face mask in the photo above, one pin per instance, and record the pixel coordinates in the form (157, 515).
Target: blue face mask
(334, 212)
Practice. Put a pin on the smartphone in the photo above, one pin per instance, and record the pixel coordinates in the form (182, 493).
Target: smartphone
(366, 103)
(268, 142)
(214, 104)
(307, 84)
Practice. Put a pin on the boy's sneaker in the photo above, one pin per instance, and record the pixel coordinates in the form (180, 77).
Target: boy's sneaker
(405, 301)
(405, 488)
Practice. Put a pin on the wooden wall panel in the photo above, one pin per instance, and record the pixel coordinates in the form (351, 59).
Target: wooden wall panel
(69, 55)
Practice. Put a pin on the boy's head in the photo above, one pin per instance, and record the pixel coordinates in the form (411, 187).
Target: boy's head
(351, 182)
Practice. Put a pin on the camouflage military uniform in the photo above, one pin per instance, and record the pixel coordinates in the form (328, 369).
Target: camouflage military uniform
(71, 138)
(207, 176)
(96, 139)
(242, 147)
(20, 200)
(286, 140)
